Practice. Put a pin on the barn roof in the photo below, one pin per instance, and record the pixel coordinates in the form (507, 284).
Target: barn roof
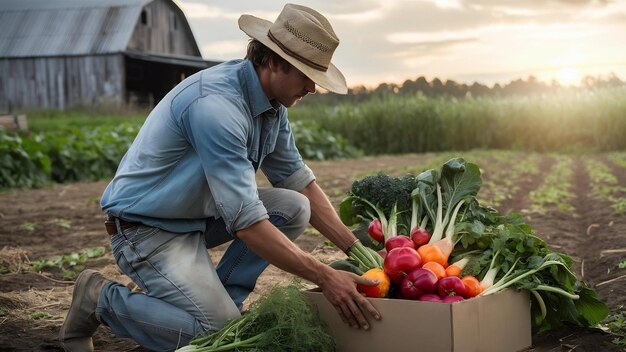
(35, 28)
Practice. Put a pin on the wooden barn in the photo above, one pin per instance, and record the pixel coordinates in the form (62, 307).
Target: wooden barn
(64, 53)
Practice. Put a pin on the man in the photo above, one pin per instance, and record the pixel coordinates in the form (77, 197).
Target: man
(187, 183)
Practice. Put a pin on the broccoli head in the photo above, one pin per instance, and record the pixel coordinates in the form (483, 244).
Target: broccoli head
(383, 191)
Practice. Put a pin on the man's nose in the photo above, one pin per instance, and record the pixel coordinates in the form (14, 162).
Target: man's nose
(310, 86)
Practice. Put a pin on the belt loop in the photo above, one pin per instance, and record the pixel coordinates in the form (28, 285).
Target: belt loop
(118, 227)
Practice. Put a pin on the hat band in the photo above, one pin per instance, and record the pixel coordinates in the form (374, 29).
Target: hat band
(296, 55)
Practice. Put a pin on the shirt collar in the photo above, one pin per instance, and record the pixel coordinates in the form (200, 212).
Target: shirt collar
(257, 99)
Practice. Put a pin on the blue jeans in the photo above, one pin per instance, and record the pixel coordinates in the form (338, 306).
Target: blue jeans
(183, 293)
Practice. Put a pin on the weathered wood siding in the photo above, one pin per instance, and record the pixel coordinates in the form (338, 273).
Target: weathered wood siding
(61, 82)
(162, 29)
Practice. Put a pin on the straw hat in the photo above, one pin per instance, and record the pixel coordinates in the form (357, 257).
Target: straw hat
(304, 38)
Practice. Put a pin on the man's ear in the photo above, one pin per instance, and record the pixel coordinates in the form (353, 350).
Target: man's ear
(273, 65)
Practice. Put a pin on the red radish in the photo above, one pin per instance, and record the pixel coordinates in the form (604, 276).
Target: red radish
(401, 261)
(418, 233)
(398, 241)
(417, 283)
(375, 229)
(419, 236)
(451, 286)
(430, 297)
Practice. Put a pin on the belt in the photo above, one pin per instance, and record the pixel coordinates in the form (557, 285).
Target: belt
(111, 228)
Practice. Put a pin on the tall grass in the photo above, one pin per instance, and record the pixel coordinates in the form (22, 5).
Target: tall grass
(562, 121)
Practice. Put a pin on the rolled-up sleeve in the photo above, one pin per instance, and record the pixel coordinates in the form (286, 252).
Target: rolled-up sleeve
(217, 128)
(298, 180)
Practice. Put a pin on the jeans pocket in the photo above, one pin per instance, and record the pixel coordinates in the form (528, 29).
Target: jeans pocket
(140, 233)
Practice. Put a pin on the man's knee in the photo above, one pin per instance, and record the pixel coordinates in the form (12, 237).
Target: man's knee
(301, 211)
(291, 213)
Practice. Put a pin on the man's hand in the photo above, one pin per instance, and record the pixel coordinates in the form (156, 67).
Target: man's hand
(339, 287)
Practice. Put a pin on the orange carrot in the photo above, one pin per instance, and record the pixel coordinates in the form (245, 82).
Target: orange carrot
(436, 268)
(431, 253)
(472, 286)
(456, 268)
(453, 270)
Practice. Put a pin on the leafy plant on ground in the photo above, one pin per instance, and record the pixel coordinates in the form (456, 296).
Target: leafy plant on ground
(69, 264)
(39, 315)
(64, 223)
(615, 323)
(22, 164)
(315, 143)
(28, 226)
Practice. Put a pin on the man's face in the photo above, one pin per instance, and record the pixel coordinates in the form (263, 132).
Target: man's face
(291, 85)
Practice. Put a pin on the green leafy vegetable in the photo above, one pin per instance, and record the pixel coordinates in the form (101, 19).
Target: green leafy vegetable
(281, 320)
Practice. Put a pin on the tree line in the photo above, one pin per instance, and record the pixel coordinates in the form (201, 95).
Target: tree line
(452, 89)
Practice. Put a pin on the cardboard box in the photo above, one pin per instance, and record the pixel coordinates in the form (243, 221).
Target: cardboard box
(498, 323)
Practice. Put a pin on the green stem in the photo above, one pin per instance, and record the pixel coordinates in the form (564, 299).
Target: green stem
(542, 304)
(493, 289)
(363, 257)
(233, 346)
(557, 291)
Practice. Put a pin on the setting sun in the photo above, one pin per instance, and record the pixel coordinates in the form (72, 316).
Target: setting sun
(568, 76)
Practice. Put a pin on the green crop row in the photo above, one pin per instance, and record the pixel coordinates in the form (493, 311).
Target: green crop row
(503, 182)
(93, 153)
(556, 189)
(393, 124)
(605, 185)
(62, 156)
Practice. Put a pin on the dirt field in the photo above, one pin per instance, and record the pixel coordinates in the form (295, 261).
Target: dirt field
(62, 219)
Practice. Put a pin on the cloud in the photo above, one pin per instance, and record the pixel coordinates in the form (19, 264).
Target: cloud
(224, 50)
(194, 10)
(200, 10)
(431, 47)
(540, 4)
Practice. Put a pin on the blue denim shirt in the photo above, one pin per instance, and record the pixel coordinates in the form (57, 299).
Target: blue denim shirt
(198, 151)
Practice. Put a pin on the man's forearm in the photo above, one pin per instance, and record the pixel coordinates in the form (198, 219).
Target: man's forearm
(325, 219)
(270, 244)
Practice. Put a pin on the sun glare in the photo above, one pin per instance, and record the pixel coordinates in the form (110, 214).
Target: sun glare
(568, 76)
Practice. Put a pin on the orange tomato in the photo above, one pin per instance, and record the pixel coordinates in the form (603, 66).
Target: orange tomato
(378, 291)
(472, 286)
(436, 268)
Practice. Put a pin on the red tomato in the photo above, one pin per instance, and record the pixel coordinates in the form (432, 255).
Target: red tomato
(398, 241)
(401, 261)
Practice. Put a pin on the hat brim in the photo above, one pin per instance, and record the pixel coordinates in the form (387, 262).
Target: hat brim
(331, 79)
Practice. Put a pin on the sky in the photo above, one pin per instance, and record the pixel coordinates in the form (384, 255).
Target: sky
(485, 41)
